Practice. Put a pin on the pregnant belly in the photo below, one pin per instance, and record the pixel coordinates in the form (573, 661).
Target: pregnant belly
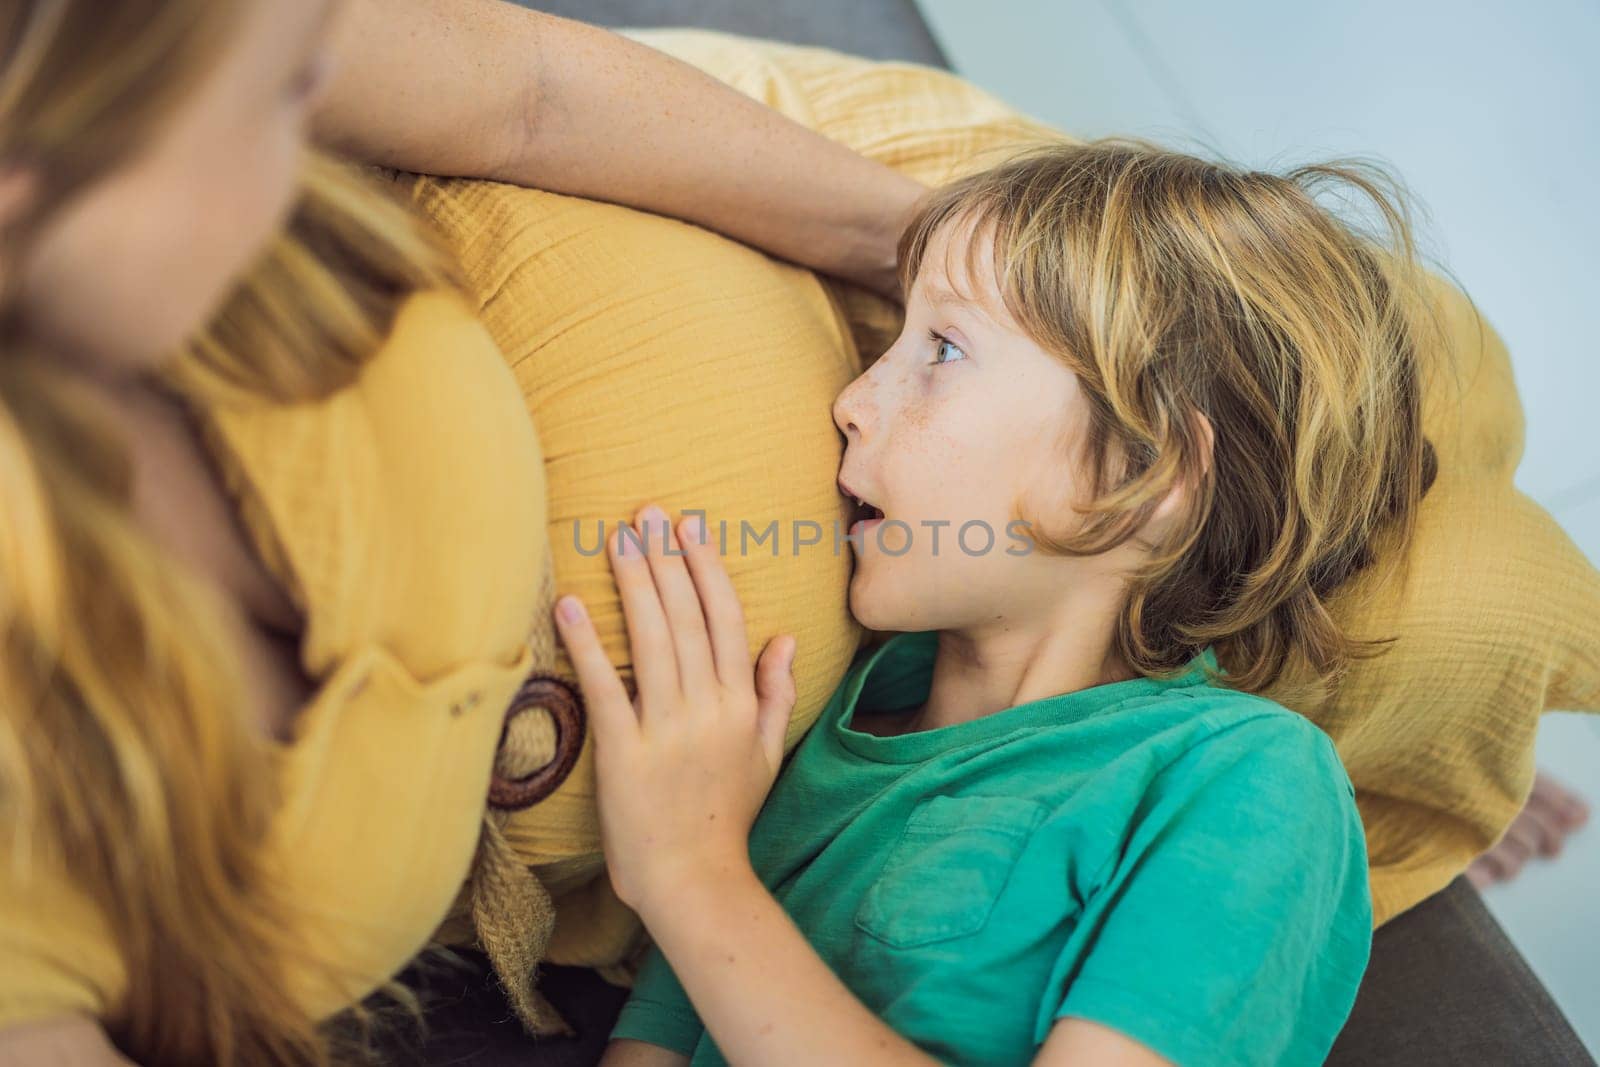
(660, 362)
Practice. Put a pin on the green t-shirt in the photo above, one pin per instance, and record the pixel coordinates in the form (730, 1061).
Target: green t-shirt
(1178, 861)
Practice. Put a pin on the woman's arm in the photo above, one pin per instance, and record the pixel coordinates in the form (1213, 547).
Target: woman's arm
(486, 89)
(67, 1040)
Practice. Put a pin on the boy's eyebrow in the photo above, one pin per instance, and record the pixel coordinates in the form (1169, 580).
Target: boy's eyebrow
(943, 294)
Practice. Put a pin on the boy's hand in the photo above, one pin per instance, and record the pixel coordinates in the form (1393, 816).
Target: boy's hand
(684, 767)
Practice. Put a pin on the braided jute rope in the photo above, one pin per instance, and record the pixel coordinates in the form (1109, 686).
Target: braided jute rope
(512, 911)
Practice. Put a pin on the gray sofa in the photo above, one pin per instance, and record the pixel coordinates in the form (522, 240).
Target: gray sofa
(1445, 986)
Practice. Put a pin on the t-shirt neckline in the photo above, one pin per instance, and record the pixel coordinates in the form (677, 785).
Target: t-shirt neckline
(909, 657)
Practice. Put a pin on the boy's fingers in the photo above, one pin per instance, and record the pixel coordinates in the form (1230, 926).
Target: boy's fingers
(605, 697)
(655, 662)
(680, 601)
(775, 693)
(730, 645)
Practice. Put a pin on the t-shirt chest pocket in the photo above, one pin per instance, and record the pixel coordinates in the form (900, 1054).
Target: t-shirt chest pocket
(943, 875)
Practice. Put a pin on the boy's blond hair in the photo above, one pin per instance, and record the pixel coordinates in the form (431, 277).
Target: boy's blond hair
(1170, 286)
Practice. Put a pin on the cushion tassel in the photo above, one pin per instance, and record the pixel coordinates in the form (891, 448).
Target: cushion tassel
(514, 916)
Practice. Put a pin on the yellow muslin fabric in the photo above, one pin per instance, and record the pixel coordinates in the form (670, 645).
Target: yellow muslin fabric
(1501, 618)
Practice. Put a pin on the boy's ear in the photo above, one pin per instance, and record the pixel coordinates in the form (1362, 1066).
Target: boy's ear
(1208, 440)
(1178, 497)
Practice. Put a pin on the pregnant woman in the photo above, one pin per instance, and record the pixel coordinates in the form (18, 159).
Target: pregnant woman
(183, 883)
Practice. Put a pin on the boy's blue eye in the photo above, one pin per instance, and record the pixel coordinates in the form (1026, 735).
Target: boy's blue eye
(943, 345)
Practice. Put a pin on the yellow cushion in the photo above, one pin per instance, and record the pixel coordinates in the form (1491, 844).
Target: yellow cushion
(1502, 616)
(660, 362)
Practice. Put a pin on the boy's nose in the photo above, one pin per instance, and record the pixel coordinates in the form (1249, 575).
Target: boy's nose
(852, 408)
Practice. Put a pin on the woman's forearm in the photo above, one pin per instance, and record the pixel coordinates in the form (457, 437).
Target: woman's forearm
(760, 989)
(482, 88)
(66, 1039)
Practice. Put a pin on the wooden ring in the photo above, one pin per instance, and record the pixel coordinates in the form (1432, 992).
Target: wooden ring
(565, 706)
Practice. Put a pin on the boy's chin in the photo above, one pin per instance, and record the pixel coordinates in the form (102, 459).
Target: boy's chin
(863, 608)
(874, 611)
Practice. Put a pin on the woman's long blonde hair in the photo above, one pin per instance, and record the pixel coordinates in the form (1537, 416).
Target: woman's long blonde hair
(1172, 285)
(125, 763)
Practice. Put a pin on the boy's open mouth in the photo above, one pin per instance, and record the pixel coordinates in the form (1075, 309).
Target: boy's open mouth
(862, 511)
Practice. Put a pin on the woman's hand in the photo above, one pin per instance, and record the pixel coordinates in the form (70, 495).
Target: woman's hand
(684, 767)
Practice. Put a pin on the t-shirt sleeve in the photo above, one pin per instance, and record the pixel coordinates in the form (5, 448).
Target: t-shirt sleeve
(658, 1010)
(1234, 925)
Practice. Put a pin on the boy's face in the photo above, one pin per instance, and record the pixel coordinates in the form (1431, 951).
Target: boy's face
(959, 428)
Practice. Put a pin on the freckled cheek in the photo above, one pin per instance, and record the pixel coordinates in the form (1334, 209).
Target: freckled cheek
(936, 473)
(913, 446)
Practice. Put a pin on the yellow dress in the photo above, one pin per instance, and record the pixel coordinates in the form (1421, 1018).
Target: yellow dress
(420, 585)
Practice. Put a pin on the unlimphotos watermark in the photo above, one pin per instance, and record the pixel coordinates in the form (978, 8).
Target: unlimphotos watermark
(974, 537)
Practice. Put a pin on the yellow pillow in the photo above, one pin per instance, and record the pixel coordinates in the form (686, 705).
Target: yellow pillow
(660, 362)
(1501, 619)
